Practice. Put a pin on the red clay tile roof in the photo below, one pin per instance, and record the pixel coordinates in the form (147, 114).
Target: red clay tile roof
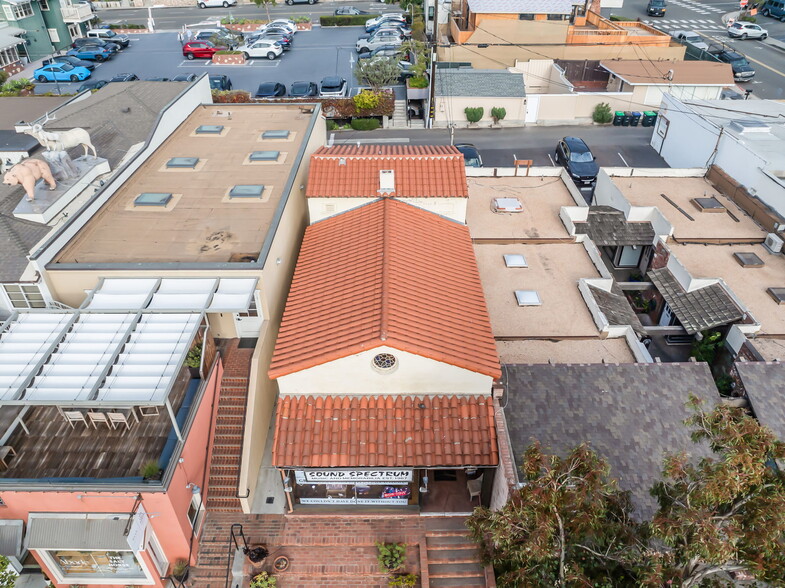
(385, 431)
(420, 171)
(386, 273)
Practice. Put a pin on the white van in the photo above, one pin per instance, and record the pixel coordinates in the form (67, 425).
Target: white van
(216, 3)
(110, 36)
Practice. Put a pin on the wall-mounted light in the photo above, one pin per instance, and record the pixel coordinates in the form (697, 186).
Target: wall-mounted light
(194, 488)
(287, 485)
(424, 487)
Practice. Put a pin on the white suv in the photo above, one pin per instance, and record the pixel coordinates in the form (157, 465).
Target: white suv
(747, 30)
(215, 3)
(262, 48)
(379, 39)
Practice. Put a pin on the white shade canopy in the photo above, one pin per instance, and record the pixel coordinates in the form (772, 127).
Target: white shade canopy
(83, 358)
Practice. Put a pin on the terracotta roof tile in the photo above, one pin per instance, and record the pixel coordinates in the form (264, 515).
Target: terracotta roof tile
(461, 432)
(391, 274)
(421, 171)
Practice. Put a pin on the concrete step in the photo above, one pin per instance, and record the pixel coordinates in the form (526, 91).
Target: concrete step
(433, 524)
(455, 570)
(450, 555)
(449, 542)
(463, 581)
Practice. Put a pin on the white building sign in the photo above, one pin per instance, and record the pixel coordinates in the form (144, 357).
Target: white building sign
(352, 476)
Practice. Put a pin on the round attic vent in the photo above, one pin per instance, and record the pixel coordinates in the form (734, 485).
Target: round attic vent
(385, 362)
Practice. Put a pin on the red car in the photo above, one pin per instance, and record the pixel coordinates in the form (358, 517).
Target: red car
(203, 49)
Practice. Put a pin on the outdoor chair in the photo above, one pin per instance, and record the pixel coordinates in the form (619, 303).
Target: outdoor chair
(5, 451)
(98, 417)
(74, 416)
(475, 488)
(117, 419)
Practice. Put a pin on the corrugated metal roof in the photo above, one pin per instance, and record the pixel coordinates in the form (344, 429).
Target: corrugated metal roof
(488, 83)
(522, 6)
(81, 532)
(11, 532)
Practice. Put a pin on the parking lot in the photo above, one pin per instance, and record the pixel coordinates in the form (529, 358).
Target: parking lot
(314, 55)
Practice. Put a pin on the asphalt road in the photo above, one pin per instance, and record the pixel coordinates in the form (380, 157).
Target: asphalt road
(704, 17)
(612, 146)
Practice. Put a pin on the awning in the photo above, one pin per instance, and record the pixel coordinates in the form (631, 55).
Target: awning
(11, 532)
(77, 532)
(7, 39)
(385, 431)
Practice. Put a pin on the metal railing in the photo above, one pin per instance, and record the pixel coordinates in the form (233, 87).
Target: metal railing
(76, 12)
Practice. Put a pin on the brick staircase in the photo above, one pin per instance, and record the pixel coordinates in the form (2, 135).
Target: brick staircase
(452, 555)
(228, 431)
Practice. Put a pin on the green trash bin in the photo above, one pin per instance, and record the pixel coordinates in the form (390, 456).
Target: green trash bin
(649, 118)
(617, 118)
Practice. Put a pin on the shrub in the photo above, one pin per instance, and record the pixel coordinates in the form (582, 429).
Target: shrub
(227, 52)
(343, 20)
(332, 125)
(263, 580)
(418, 82)
(3, 76)
(474, 115)
(367, 100)
(194, 357)
(127, 26)
(302, 18)
(241, 21)
(602, 113)
(498, 113)
(179, 568)
(150, 469)
(231, 97)
(617, 18)
(748, 18)
(391, 556)
(403, 580)
(365, 124)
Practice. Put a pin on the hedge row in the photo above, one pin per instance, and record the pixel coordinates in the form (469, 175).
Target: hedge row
(344, 20)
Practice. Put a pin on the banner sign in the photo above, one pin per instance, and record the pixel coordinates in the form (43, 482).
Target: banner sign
(352, 476)
(381, 501)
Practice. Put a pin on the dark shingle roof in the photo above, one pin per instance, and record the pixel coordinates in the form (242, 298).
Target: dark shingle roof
(763, 383)
(616, 308)
(486, 83)
(704, 308)
(631, 414)
(607, 226)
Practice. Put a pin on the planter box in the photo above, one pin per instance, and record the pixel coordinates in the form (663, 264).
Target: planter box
(244, 28)
(229, 59)
(131, 31)
(304, 26)
(417, 93)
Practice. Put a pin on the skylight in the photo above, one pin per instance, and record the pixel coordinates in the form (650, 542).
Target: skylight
(275, 135)
(152, 199)
(209, 129)
(264, 155)
(246, 191)
(528, 298)
(186, 162)
(515, 260)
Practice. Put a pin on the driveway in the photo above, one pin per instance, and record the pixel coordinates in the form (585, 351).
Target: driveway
(315, 54)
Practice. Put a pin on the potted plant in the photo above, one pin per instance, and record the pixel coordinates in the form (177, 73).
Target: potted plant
(391, 556)
(180, 569)
(194, 360)
(257, 554)
(281, 563)
(151, 471)
(263, 580)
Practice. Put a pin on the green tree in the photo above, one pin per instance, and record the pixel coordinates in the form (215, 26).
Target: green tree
(266, 4)
(377, 72)
(7, 574)
(723, 513)
(568, 525)
(474, 115)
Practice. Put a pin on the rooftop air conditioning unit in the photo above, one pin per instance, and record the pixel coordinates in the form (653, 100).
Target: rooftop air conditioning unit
(773, 243)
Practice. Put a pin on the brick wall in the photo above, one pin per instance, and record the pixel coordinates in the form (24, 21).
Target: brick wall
(661, 255)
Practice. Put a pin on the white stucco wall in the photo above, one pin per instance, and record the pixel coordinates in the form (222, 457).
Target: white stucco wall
(414, 374)
(682, 138)
(452, 208)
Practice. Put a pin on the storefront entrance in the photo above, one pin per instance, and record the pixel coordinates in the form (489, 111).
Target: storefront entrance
(448, 492)
(354, 487)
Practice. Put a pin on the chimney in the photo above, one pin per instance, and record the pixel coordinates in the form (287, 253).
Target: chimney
(386, 181)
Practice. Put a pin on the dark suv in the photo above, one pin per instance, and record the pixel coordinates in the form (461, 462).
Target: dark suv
(742, 70)
(577, 159)
(656, 8)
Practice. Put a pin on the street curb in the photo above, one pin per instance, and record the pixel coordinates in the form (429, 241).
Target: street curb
(774, 43)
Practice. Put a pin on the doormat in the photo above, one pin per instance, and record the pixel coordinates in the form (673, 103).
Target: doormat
(247, 342)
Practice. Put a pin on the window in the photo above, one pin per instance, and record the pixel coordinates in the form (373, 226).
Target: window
(527, 298)
(21, 10)
(196, 512)
(525, 17)
(182, 162)
(557, 17)
(9, 14)
(157, 555)
(8, 56)
(385, 362)
(209, 130)
(44, 4)
(73, 30)
(53, 35)
(264, 156)
(24, 295)
(515, 260)
(246, 191)
(152, 199)
(275, 135)
(92, 565)
(252, 309)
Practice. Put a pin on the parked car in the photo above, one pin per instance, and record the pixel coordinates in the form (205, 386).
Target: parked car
(470, 154)
(742, 70)
(285, 23)
(774, 9)
(349, 11)
(125, 77)
(656, 8)
(333, 87)
(201, 49)
(220, 82)
(576, 157)
(381, 38)
(157, 79)
(187, 77)
(285, 41)
(61, 72)
(91, 42)
(390, 25)
(91, 53)
(270, 90)
(747, 30)
(70, 60)
(220, 36)
(290, 2)
(383, 51)
(303, 90)
(92, 85)
(261, 48)
(690, 37)
(216, 3)
(398, 16)
(110, 36)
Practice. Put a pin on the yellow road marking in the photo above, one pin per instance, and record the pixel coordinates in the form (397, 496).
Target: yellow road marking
(776, 71)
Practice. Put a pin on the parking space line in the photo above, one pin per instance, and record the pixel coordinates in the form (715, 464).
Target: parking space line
(259, 63)
(622, 158)
(551, 160)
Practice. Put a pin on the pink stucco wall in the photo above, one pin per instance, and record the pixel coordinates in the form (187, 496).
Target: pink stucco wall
(168, 511)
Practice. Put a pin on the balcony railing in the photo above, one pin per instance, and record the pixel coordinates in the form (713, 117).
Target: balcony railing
(76, 12)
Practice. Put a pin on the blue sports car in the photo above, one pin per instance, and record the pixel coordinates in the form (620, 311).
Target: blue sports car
(91, 53)
(61, 72)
